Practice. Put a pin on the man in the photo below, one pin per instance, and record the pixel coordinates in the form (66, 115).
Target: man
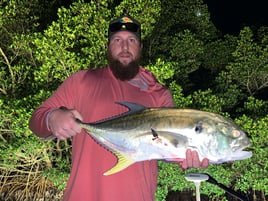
(90, 95)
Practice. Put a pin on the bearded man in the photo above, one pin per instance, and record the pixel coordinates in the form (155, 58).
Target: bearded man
(91, 95)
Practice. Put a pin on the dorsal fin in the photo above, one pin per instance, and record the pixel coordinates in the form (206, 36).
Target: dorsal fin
(133, 108)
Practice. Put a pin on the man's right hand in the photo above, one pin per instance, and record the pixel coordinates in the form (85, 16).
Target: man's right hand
(62, 123)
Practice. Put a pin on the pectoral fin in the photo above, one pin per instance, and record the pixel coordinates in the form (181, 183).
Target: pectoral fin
(123, 162)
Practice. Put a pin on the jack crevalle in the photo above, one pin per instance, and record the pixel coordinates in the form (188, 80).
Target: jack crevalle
(165, 133)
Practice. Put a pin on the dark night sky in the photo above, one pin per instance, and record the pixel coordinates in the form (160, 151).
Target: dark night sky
(230, 16)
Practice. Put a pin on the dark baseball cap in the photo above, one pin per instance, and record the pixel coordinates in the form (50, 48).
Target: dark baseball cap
(125, 23)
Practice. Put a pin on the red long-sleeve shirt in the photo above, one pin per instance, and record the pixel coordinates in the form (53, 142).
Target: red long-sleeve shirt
(94, 93)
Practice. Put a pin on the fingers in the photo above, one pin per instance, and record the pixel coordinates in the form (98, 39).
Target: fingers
(62, 123)
(183, 164)
(64, 133)
(192, 160)
(189, 160)
(205, 163)
(76, 115)
(196, 161)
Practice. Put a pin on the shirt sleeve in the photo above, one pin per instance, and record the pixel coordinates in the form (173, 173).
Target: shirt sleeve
(63, 96)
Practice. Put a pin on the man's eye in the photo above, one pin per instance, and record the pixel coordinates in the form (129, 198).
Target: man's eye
(132, 40)
(116, 40)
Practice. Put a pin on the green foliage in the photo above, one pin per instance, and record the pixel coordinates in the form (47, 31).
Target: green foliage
(218, 53)
(206, 100)
(254, 177)
(171, 177)
(162, 70)
(176, 17)
(255, 108)
(17, 22)
(15, 71)
(73, 42)
(186, 49)
(229, 91)
(146, 12)
(18, 16)
(58, 177)
(179, 99)
(25, 159)
(250, 66)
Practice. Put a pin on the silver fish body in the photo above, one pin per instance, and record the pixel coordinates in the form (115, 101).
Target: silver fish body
(165, 133)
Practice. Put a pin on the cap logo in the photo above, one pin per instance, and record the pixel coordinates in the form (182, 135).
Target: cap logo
(126, 20)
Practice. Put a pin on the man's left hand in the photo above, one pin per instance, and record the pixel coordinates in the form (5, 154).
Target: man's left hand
(192, 161)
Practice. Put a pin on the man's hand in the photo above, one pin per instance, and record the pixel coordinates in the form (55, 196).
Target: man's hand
(192, 161)
(62, 124)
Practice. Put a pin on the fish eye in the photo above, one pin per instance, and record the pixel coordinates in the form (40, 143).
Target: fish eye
(198, 127)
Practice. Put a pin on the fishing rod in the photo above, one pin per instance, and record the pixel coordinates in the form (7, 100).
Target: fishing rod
(197, 178)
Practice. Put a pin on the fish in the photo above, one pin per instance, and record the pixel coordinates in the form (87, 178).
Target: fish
(164, 133)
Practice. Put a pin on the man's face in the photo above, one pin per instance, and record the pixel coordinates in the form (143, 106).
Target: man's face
(124, 52)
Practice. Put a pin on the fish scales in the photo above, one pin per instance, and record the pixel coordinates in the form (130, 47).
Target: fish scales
(157, 118)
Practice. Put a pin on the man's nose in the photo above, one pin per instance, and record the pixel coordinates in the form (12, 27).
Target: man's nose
(124, 45)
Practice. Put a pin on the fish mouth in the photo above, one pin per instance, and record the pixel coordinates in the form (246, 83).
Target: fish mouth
(234, 155)
(242, 153)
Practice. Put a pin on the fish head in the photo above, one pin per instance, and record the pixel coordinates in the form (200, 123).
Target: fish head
(219, 139)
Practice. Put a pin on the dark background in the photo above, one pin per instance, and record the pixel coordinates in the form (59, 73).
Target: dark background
(230, 16)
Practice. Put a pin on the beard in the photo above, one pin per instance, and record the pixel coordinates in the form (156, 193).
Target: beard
(123, 72)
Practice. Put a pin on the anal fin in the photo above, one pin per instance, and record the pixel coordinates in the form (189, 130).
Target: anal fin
(122, 163)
